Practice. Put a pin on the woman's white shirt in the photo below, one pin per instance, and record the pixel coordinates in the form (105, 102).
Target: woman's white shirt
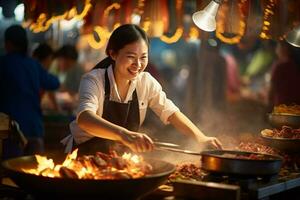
(92, 94)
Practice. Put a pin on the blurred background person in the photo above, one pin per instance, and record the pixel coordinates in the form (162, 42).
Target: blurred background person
(69, 72)
(21, 80)
(233, 79)
(44, 53)
(255, 74)
(285, 76)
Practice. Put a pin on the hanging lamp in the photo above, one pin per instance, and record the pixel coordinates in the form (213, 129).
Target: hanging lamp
(206, 19)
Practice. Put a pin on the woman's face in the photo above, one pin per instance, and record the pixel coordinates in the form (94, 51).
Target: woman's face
(130, 60)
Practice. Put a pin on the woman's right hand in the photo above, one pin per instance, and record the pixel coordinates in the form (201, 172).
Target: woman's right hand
(137, 142)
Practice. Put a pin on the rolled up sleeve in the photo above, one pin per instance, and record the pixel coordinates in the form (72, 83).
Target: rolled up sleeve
(90, 90)
(159, 103)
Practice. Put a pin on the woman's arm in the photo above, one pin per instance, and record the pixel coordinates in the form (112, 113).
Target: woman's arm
(185, 126)
(99, 127)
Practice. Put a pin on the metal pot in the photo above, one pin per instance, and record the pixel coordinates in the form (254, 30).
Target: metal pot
(286, 145)
(278, 120)
(217, 161)
(45, 187)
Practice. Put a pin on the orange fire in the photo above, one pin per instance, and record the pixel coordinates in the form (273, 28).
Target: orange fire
(98, 166)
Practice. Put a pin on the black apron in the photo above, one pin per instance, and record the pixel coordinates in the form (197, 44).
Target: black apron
(126, 115)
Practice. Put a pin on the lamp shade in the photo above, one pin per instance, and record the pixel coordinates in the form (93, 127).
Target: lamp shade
(206, 18)
(293, 37)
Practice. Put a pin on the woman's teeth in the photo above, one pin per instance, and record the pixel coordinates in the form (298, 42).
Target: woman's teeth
(133, 72)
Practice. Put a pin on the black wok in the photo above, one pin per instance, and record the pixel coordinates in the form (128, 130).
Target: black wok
(62, 188)
(217, 161)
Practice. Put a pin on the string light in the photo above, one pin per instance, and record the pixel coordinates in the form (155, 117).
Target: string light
(179, 31)
(177, 35)
(146, 25)
(42, 24)
(109, 8)
(268, 13)
(140, 7)
(103, 35)
(193, 33)
(241, 31)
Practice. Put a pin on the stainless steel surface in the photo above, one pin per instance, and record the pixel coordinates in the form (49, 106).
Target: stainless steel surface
(215, 161)
(279, 120)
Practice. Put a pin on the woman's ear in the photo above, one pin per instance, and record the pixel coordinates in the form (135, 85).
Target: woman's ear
(112, 54)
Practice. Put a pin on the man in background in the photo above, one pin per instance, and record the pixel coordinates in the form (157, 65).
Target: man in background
(21, 80)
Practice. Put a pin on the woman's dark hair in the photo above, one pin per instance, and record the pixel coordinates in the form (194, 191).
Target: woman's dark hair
(122, 36)
(17, 36)
(42, 52)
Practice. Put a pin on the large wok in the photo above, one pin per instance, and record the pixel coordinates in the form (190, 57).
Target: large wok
(217, 161)
(61, 188)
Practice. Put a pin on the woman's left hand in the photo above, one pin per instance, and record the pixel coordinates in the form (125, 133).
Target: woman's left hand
(212, 142)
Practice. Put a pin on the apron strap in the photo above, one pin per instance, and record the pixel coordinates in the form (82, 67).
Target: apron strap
(107, 86)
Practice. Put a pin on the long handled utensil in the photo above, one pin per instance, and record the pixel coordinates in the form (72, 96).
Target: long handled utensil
(174, 148)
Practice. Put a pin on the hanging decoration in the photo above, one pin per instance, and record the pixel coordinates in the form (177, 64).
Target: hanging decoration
(193, 32)
(269, 11)
(279, 17)
(254, 15)
(110, 22)
(102, 32)
(95, 16)
(155, 18)
(47, 15)
(140, 7)
(178, 23)
(174, 38)
(231, 20)
(164, 18)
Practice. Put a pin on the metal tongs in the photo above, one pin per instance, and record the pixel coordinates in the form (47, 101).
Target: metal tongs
(174, 148)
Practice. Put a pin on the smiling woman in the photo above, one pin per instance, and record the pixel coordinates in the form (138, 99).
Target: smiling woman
(114, 97)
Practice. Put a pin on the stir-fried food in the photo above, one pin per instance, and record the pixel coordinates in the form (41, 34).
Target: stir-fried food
(187, 171)
(257, 148)
(250, 156)
(99, 166)
(289, 161)
(287, 109)
(284, 132)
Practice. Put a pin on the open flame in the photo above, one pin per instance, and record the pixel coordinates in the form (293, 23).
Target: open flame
(98, 166)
